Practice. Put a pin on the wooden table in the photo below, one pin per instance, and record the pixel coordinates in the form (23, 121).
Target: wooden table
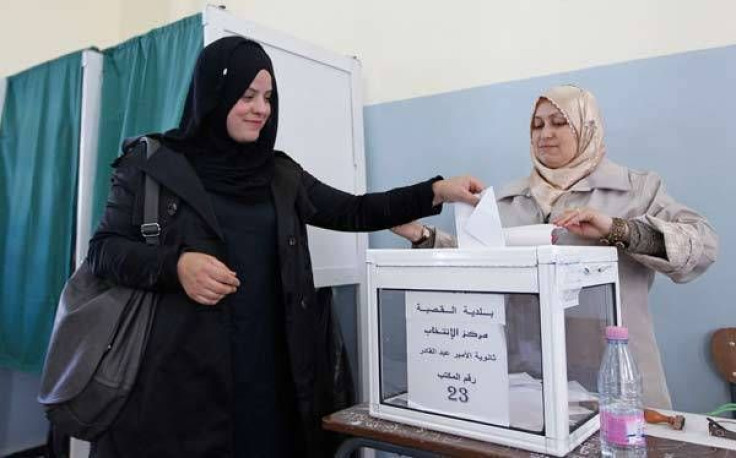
(366, 431)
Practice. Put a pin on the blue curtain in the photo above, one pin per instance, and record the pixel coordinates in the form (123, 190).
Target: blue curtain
(39, 144)
(145, 81)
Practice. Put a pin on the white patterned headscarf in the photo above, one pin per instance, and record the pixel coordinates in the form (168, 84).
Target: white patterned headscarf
(581, 111)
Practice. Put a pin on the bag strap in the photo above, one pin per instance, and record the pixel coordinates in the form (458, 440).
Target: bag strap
(150, 229)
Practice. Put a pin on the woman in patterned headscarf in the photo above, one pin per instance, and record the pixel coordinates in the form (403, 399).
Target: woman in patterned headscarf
(574, 186)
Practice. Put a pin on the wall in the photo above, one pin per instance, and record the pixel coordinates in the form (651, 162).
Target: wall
(420, 48)
(22, 424)
(414, 47)
(35, 31)
(669, 114)
(409, 48)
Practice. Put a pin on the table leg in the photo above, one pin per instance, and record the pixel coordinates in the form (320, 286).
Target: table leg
(354, 443)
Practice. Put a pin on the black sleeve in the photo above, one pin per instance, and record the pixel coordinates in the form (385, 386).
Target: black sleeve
(341, 211)
(117, 250)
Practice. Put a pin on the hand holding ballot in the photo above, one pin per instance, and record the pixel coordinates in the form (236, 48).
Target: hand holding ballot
(479, 227)
(457, 189)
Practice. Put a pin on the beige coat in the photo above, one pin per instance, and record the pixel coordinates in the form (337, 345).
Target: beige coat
(690, 241)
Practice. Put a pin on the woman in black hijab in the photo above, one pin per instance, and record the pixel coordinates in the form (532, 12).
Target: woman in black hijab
(237, 363)
(221, 80)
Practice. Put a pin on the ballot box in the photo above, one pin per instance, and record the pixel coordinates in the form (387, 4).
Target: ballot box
(502, 345)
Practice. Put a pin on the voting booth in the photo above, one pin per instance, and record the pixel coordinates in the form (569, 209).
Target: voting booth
(498, 344)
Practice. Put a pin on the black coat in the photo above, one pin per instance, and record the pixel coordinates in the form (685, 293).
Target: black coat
(181, 404)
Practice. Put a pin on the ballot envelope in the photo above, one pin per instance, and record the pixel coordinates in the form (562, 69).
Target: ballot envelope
(501, 344)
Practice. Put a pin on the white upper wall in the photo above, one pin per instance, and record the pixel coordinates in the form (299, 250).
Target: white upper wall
(408, 48)
(415, 47)
(35, 31)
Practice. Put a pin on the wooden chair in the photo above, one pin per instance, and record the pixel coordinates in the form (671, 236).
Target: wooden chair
(723, 351)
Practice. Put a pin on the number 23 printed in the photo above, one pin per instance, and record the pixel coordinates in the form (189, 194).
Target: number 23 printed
(457, 394)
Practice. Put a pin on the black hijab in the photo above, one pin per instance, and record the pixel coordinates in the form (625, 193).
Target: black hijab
(224, 70)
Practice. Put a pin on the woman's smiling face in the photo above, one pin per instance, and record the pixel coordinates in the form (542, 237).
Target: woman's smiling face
(252, 110)
(553, 139)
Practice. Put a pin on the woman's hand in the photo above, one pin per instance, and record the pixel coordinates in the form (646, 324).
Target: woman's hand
(205, 279)
(457, 189)
(410, 231)
(585, 222)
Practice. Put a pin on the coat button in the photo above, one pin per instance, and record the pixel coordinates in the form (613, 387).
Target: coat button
(172, 208)
(292, 241)
(303, 303)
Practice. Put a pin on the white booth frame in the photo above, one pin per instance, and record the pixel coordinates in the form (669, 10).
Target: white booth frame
(3, 88)
(515, 270)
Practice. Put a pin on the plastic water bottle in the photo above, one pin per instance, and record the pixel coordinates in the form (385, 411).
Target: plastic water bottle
(621, 408)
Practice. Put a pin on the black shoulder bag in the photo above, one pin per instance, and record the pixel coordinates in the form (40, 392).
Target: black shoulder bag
(97, 343)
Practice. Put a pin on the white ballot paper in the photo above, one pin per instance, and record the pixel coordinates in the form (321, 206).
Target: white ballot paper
(532, 235)
(480, 227)
(457, 360)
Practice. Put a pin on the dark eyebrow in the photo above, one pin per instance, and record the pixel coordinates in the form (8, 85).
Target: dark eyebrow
(257, 91)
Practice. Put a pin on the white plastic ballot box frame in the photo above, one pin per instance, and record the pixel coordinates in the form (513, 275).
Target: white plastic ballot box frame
(552, 272)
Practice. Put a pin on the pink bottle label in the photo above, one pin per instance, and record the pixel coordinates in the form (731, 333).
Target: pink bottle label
(622, 429)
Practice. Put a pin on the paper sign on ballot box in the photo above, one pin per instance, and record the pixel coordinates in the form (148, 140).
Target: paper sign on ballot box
(456, 355)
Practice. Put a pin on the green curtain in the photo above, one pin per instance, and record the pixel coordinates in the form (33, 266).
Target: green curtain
(39, 144)
(145, 81)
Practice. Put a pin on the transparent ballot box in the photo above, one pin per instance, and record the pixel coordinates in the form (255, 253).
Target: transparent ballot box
(502, 345)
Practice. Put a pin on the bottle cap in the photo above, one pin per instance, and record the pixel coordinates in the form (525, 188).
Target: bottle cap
(617, 333)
